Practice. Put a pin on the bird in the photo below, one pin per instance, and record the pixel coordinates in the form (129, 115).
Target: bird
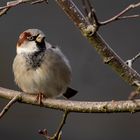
(40, 68)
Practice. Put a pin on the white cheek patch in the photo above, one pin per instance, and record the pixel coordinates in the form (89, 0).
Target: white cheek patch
(29, 47)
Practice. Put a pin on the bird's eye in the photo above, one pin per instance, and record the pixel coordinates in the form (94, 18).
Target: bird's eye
(31, 38)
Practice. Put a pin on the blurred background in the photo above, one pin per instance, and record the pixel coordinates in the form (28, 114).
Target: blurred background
(94, 80)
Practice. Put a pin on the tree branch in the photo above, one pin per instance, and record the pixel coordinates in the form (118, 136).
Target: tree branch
(63, 121)
(7, 107)
(74, 106)
(108, 55)
(120, 15)
(58, 133)
(92, 18)
(11, 4)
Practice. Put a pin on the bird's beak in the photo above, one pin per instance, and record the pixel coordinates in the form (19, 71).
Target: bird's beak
(40, 38)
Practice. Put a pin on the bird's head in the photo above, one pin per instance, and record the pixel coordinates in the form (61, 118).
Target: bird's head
(30, 41)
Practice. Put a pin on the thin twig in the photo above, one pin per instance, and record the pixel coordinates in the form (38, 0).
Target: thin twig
(39, 1)
(131, 61)
(58, 133)
(90, 12)
(7, 107)
(120, 15)
(129, 16)
(11, 4)
(4, 11)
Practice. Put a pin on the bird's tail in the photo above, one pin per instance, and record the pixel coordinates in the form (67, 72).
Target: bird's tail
(70, 93)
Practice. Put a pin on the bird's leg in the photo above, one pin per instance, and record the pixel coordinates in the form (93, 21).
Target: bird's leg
(39, 98)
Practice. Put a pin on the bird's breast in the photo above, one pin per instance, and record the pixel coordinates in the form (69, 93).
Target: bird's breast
(47, 74)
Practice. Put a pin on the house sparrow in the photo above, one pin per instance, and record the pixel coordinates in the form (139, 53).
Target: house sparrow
(41, 68)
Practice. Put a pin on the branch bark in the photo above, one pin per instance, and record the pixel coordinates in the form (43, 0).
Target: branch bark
(74, 106)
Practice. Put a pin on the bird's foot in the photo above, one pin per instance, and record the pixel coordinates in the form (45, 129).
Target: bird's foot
(39, 98)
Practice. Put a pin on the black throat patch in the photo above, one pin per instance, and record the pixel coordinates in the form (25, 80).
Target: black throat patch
(34, 60)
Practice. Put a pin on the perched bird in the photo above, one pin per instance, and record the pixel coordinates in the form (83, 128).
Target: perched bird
(41, 68)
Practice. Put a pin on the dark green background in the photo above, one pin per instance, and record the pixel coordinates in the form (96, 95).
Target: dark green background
(94, 80)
